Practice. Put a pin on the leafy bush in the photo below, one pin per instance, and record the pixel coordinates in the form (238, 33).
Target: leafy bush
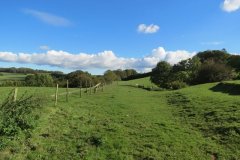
(214, 72)
(182, 76)
(16, 116)
(39, 80)
(177, 85)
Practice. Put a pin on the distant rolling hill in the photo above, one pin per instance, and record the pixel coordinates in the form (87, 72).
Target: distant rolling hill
(12, 76)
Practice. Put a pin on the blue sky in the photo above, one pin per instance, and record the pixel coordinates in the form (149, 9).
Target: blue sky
(95, 35)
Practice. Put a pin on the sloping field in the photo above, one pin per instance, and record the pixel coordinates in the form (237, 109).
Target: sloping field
(12, 76)
(125, 122)
(142, 81)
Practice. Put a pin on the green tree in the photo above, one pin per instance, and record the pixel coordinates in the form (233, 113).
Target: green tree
(110, 76)
(161, 74)
(77, 77)
(213, 72)
(40, 80)
(234, 61)
(186, 70)
(218, 56)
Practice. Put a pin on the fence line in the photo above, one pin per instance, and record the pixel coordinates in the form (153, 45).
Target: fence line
(67, 93)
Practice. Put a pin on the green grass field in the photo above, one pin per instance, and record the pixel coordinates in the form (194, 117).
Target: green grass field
(126, 122)
(142, 81)
(12, 76)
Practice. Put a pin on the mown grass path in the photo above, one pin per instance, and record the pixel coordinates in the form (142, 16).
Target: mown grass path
(123, 122)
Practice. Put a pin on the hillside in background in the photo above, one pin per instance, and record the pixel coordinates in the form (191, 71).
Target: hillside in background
(4, 76)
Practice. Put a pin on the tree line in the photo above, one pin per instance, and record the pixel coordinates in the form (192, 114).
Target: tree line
(24, 70)
(76, 78)
(205, 67)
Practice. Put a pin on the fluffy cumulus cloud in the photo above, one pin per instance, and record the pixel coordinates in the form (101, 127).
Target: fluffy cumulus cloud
(148, 29)
(103, 60)
(231, 5)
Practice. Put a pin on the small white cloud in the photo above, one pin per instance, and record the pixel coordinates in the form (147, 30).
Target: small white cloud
(214, 43)
(103, 60)
(148, 29)
(231, 5)
(44, 47)
(48, 18)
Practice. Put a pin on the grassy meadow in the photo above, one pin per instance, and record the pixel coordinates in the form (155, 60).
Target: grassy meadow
(126, 122)
(12, 76)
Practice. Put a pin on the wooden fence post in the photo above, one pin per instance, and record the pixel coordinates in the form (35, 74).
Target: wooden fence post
(90, 88)
(86, 85)
(80, 94)
(56, 96)
(15, 94)
(95, 89)
(67, 92)
(102, 86)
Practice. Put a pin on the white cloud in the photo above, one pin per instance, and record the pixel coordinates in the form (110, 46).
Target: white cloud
(214, 43)
(44, 47)
(143, 28)
(103, 60)
(8, 57)
(49, 18)
(160, 54)
(231, 5)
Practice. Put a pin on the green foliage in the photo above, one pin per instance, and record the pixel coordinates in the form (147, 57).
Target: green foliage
(16, 116)
(177, 85)
(186, 70)
(205, 67)
(213, 72)
(234, 62)
(79, 77)
(24, 70)
(218, 56)
(182, 76)
(110, 76)
(39, 80)
(161, 74)
(123, 74)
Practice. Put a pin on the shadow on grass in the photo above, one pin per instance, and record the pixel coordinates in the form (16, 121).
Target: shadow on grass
(228, 88)
(143, 87)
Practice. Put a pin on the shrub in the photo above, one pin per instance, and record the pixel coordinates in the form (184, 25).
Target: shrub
(214, 72)
(16, 116)
(39, 80)
(177, 85)
(182, 76)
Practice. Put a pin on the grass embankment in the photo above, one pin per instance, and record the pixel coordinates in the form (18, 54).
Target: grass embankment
(142, 81)
(126, 122)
